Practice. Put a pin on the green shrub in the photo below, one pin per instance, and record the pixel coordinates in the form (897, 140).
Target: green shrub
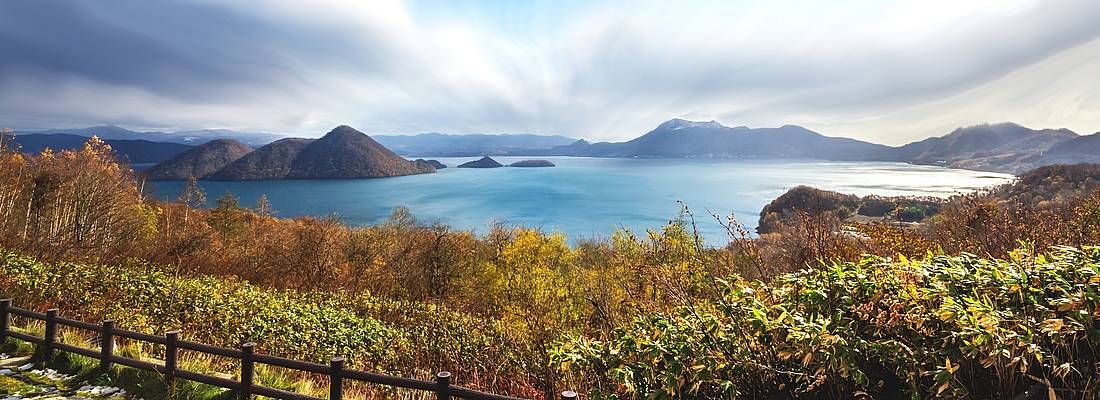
(911, 214)
(954, 327)
(400, 337)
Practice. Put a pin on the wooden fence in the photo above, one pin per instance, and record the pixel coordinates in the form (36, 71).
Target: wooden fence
(172, 343)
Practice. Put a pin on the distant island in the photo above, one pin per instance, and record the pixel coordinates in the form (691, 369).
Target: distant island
(432, 163)
(484, 162)
(532, 164)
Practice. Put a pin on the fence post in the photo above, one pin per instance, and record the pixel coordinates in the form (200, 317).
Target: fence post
(568, 395)
(443, 385)
(336, 378)
(246, 370)
(171, 353)
(5, 321)
(106, 345)
(51, 333)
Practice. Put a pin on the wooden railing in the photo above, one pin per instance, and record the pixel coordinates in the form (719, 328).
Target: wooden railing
(245, 387)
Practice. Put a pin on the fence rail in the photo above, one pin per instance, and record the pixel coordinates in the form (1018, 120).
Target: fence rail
(245, 387)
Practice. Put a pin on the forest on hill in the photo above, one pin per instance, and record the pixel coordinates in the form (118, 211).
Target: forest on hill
(996, 294)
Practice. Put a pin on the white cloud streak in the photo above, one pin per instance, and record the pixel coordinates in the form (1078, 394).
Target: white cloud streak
(886, 72)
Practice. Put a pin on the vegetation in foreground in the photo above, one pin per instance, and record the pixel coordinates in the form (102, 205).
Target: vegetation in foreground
(798, 311)
(944, 327)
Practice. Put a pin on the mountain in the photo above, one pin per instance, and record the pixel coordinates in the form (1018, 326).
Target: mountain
(484, 162)
(1081, 149)
(346, 153)
(343, 153)
(200, 161)
(272, 161)
(111, 132)
(680, 138)
(438, 144)
(1003, 147)
(132, 151)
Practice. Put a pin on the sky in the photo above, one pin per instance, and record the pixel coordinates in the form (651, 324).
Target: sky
(888, 72)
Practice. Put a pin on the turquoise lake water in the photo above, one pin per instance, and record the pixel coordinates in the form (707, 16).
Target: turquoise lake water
(591, 197)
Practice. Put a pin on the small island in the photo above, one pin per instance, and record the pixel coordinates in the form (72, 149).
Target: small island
(431, 163)
(532, 164)
(484, 162)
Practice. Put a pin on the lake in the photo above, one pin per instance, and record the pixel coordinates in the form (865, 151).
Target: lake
(591, 197)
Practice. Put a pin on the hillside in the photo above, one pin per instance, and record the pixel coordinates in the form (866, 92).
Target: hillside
(132, 151)
(444, 145)
(817, 202)
(199, 161)
(1003, 147)
(272, 161)
(345, 153)
(1051, 183)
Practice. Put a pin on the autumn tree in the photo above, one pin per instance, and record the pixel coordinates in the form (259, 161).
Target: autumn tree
(7, 140)
(227, 218)
(72, 200)
(263, 207)
(192, 194)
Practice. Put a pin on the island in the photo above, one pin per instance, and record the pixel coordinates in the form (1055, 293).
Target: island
(343, 153)
(431, 163)
(484, 162)
(532, 164)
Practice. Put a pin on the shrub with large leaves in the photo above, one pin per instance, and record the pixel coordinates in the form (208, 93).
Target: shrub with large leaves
(948, 327)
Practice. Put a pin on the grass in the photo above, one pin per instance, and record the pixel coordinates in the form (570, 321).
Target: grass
(152, 386)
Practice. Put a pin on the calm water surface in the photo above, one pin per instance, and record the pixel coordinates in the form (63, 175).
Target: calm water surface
(591, 197)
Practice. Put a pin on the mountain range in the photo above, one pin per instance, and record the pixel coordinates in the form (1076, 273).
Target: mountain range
(1002, 147)
(680, 138)
(194, 138)
(134, 151)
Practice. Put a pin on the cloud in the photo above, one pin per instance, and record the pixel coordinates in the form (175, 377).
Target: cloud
(874, 70)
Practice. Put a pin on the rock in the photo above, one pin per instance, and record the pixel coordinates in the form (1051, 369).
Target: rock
(484, 162)
(532, 164)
